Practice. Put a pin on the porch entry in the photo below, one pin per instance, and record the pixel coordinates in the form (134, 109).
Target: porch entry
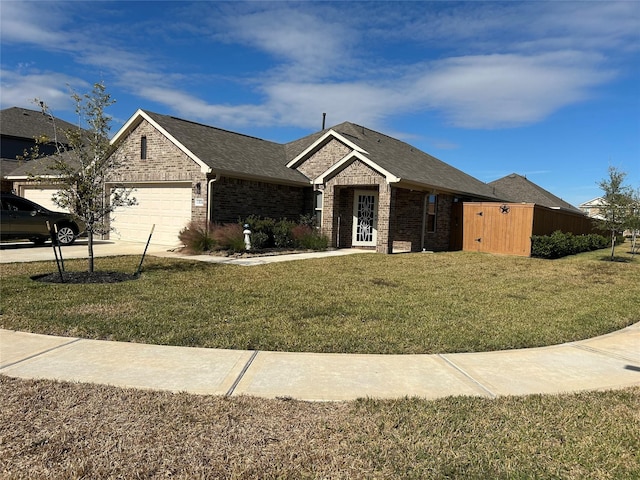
(365, 218)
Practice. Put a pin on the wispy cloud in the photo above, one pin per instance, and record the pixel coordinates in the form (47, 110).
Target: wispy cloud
(500, 65)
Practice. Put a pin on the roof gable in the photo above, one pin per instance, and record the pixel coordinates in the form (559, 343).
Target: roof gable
(319, 143)
(221, 151)
(399, 161)
(348, 160)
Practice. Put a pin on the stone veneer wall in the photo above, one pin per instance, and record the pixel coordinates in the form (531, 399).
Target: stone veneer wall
(165, 163)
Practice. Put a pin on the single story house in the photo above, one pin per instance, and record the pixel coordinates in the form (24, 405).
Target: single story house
(366, 189)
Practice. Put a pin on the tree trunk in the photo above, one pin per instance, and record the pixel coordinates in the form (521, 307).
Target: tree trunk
(613, 245)
(90, 250)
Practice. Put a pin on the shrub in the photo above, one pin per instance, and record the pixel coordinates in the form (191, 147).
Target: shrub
(229, 237)
(305, 236)
(282, 236)
(196, 237)
(560, 244)
(259, 240)
(261, 231)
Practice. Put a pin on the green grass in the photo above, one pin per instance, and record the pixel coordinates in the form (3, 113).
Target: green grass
(411, 303)
(60, 430)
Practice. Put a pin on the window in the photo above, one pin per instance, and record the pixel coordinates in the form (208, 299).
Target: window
(143, 148)
(318, 208)
(431, 213)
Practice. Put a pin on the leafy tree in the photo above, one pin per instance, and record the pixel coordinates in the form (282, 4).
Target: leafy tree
(82, 166)
(617, 205)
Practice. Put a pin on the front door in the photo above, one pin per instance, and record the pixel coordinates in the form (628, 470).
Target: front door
(365, 218)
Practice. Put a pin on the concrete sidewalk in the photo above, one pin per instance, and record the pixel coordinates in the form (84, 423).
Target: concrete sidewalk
(607, 362)
(20, 252)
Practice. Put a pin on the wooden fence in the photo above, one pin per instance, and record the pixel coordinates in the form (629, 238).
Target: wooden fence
(507, 228)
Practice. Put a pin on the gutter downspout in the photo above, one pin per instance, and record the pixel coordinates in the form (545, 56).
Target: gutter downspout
(210, 197)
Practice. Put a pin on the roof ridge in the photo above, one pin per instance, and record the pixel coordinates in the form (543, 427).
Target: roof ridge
(208, 126)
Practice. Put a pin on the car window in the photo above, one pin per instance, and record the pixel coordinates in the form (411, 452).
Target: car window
(17, 205)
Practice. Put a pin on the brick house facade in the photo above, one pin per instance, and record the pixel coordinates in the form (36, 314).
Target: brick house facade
(368, 190)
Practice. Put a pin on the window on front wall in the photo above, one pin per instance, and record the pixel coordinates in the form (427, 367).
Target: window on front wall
(432, 201)
(143, 148)
(318, 208)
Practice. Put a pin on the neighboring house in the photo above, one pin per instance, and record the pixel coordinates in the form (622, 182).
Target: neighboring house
(517, 188)
(19, 129)
(593, 207)
(366, 189)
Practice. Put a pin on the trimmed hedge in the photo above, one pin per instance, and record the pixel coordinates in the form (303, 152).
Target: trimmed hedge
(560, 244)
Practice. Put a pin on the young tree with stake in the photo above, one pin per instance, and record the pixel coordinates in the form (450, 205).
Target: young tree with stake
(82, 167)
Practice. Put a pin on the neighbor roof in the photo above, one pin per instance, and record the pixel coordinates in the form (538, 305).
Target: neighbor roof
(42, 166)
(24, 123)
(517, 188)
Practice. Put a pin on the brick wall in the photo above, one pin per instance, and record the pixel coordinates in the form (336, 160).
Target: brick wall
(235, 199)
(323, 159)
(164, 163)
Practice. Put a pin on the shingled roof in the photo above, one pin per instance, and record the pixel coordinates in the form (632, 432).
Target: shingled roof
(24, 123)
(233, 153)
(229, 152)
(516, 188)
(411, 164)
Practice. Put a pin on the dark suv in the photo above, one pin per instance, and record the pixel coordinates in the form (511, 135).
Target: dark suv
(22, 218)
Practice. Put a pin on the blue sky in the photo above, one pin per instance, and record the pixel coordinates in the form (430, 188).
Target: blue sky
(550, 90)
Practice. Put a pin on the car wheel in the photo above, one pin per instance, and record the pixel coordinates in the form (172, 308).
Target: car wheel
(66, 235)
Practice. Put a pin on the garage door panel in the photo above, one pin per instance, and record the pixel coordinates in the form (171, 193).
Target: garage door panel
(43, 196)
(168, 206)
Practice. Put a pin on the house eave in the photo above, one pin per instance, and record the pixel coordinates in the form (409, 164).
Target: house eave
(259, 178)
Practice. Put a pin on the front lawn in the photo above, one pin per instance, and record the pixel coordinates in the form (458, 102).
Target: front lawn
(410, 303)
(60, 430)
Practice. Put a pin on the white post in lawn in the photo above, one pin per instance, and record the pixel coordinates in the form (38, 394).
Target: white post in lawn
(247, 238)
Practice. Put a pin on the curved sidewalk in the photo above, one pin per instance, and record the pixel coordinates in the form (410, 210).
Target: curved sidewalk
(606, 362)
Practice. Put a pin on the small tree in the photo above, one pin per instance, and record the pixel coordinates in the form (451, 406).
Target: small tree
(82, 167)
(617, 201)
(634, 219)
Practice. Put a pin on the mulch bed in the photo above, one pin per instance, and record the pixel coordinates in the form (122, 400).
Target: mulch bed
(85, 277)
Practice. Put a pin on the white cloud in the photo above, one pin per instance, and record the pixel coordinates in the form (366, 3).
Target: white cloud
(507, 90)
(500, 65)
(53, 88)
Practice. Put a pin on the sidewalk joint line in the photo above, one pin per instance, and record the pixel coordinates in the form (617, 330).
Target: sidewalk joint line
(587, 348)
(242, 372)
(40, 353)
(456, 367)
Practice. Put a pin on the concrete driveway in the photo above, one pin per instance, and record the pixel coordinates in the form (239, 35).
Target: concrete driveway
(17, 252)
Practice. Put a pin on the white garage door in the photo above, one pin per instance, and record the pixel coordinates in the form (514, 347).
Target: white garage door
(168, 206)
(42, 196)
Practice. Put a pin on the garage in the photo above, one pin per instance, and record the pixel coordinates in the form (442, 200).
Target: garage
(42, 194)
(168, 206)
